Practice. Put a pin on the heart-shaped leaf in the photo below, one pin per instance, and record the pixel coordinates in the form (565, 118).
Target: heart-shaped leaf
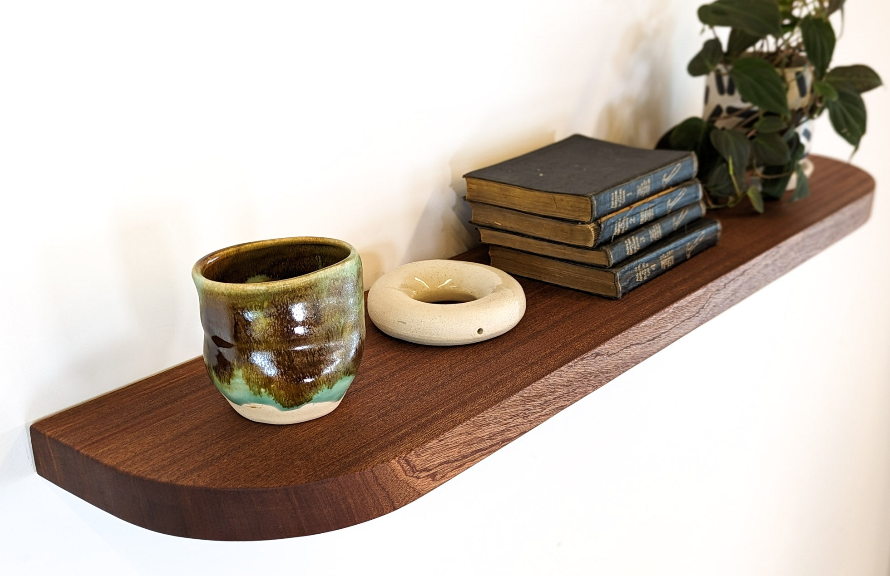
(735, 149)
(774, 188)
(756, 17)
(825, 89)
(688, 134)
(818, 41)
(802, 188)
(760, 84)
(770, 150)
(755, 198)
(770, 124)
(848, 116)
(739, 41)
(706, 59)
(798, 150)
(858, 77)
(719, 182)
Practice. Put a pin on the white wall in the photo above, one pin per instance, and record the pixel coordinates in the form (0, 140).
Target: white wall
(135, 139)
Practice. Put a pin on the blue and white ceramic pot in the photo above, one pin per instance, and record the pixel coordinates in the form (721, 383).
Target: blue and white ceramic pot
(727, 109)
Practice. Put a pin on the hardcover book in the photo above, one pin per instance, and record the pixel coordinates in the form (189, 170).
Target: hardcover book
(601, 231)
(611, 282)
(579, 178)
(622, 248)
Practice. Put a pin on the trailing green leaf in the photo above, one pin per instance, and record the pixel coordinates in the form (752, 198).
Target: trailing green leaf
(848, 116)
(770, 124)
(688, 134)
(719, 182)
(774, 188)
(858, 77)
(707, 58)
(760, 84)
(798, 150)
(825, 89)
(735, 149)
(770, 149)
(818, 40)
(755, 198)
(765, 149)
(802, 188)
(739, 41)
(756, 17)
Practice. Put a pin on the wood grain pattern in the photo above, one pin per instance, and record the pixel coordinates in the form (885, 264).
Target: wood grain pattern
(415, 416)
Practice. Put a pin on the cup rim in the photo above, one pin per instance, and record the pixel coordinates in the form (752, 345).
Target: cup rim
(206, 283)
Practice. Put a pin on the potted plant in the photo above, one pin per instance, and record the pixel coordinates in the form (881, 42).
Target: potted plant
(774, 69)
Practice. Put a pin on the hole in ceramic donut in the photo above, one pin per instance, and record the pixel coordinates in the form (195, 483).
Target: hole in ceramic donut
(443, 296)
(416, 302)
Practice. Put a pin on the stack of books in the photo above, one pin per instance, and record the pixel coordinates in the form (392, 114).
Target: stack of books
(591, 215)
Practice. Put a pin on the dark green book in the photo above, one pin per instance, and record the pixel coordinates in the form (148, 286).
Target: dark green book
(579, 178)
(611, 282)
(589, 235)
(605, 256)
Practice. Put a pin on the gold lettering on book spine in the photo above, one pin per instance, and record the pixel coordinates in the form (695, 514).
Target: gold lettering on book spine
(666, 260)
(668, 176)
(619, 198)
(631, 245)
(671, 202)
(692, 245)
(655, 233)
(644, 187)
(622, 225)
(647, 214)
(643, 271)
(678, 218)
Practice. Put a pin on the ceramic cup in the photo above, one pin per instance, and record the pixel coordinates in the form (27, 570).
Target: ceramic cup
(284, 325)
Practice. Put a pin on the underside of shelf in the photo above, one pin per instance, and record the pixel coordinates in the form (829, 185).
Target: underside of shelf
(169, 454)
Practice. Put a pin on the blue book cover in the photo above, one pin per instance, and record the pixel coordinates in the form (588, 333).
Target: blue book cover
(579, 178)
(617, 281)
(605, 256)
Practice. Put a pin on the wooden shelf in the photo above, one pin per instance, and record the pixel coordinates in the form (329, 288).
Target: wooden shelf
(169, 454)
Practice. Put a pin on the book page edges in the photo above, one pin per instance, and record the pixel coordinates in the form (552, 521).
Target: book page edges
(555, 204)
(600, 282)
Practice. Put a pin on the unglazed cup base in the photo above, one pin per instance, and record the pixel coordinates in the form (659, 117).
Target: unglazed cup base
(265, 414)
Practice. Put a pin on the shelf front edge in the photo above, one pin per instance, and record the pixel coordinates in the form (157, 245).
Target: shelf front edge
(472, 441)
(346, 500)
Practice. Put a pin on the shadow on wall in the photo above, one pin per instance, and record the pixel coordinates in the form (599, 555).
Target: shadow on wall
(481, 151)
(637, 111)
(636, 114)
(443, 226)
(442, 230)
(15, 455)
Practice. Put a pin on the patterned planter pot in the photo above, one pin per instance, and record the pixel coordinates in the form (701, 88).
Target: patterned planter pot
(726, 108)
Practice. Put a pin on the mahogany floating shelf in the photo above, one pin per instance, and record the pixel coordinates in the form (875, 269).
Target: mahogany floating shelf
(169, 454)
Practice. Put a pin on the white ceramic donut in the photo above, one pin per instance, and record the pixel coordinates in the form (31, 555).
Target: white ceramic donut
(403, 302)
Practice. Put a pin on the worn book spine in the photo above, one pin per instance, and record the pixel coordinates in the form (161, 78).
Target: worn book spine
(634, 242)
(679, 247)
(612, 282)
(618, 197)
(610, 227)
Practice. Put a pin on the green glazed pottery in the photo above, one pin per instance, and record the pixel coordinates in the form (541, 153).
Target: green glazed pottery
(284, 325)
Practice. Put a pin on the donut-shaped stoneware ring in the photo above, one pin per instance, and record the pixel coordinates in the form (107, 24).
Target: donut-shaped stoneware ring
(446, 302)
